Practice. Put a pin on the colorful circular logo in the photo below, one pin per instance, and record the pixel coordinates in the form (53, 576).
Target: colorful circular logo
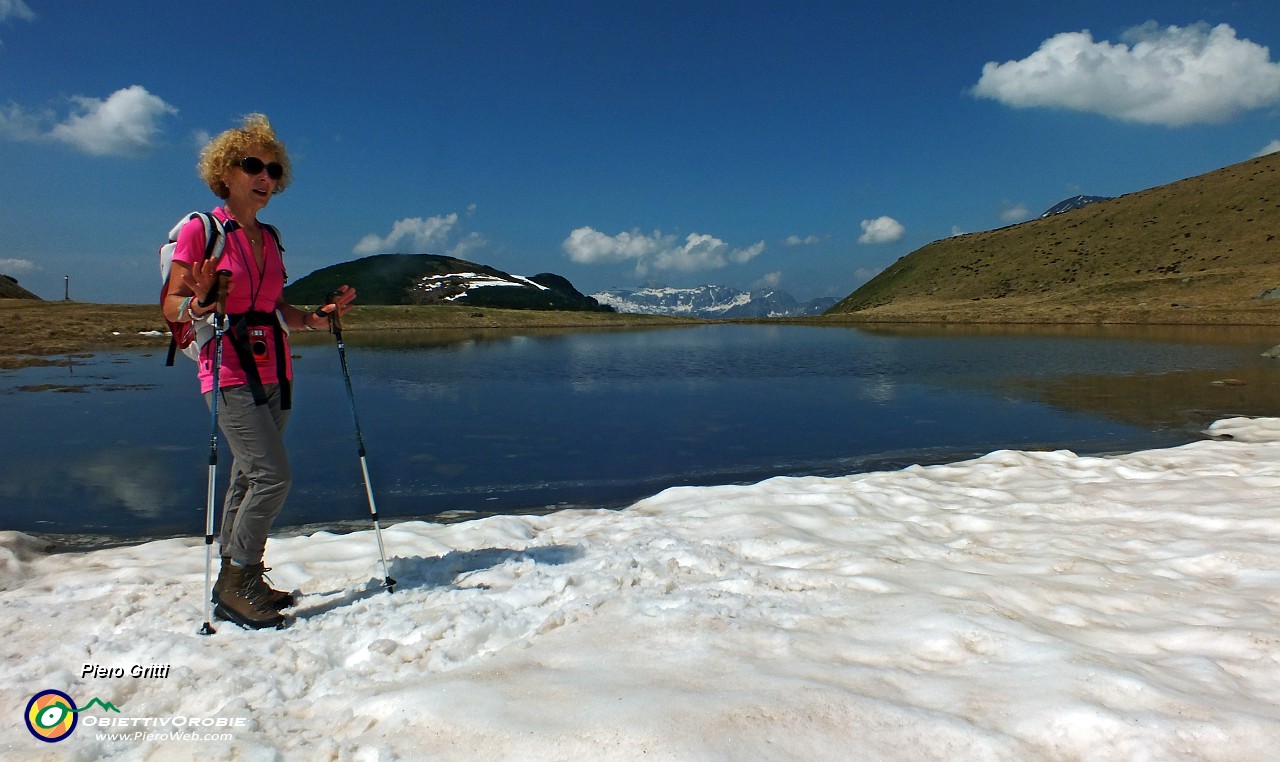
(51, 715)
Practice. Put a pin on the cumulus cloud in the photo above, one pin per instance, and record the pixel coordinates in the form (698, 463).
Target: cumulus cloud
(1014, 212)
(795, 240)
(15, 9)
(883, 229)
(410, 233)
(588, 246)
(125, 124)
(1271, 147)
(770, 280)
(698, 251)
(472, 241)
(1169, 76)
(17, 123)
(16, 266)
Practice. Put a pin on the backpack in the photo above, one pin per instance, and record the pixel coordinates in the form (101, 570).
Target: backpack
(191, 336)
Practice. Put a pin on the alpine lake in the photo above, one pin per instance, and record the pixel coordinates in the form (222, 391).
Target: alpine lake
(460, 424)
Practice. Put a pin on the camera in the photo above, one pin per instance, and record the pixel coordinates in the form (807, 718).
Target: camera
(258, 344)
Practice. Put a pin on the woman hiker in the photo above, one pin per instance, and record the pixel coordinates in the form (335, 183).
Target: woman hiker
(245, 167)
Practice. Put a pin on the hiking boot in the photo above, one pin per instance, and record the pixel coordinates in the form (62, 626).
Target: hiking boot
(238, 598)
(277, 599)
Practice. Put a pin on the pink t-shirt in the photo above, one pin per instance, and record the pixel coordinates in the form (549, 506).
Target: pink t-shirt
(252, 290)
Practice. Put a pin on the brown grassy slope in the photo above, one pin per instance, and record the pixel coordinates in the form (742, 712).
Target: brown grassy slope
(1196, 251)
(9, 289)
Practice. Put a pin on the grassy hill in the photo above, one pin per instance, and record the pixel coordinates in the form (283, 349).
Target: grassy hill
(1208, 245)
(380, 279)
(391, 279)
(9, 289)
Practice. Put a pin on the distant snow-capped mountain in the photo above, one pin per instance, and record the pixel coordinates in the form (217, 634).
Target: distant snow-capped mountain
(434, 279)
(710, 302)
(1075, 202)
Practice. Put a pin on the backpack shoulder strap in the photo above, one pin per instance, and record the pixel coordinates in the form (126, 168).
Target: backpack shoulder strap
(275, 233)
(214, 234)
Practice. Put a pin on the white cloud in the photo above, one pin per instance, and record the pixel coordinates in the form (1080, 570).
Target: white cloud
(704, 252)
(795, 240)
(699, 251)
(17, 123)
(1271, 147)
(122, 125)
(1170, 76)
(588, 246)
(462, 249)
(1011, 212)
(14, 266)
(15, 9)
(881, 230)
(413, 233)
(770, 280)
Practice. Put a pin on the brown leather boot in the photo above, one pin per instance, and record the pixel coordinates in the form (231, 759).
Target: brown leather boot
(238, 598)
(277, 599)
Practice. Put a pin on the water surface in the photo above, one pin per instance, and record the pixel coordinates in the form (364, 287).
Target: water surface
(465, 423)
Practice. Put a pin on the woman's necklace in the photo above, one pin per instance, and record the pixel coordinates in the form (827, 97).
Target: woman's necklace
(254, 235)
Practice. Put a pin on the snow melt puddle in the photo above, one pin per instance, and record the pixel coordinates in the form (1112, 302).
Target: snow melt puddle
(1022, 605)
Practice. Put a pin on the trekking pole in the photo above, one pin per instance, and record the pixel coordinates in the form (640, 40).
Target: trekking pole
(335, 327)
(219, 328)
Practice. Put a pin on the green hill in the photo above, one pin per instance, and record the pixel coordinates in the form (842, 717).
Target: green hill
(1210, 242)
(432, 279)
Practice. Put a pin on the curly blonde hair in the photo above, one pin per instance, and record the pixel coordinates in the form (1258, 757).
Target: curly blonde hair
(223, 153)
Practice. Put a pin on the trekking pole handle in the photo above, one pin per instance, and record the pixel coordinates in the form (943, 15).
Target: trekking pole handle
(218, 293)
(224, 279)
(335, 320)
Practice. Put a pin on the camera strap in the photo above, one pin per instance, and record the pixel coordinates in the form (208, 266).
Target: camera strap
(239, 336)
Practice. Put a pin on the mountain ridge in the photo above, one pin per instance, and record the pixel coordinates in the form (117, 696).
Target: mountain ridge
(709, 301)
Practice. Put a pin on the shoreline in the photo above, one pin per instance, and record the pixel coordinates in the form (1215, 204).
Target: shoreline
(54, 543)
(37, 332)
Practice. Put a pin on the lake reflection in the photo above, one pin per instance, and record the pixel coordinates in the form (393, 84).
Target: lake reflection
(489, 421)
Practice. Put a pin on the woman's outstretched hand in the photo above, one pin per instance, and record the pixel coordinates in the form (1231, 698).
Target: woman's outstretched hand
(338, 300)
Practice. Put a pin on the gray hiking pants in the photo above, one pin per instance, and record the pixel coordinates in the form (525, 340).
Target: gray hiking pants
(260, 475)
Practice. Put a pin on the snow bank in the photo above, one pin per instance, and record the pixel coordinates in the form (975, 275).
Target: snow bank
(1022, 605)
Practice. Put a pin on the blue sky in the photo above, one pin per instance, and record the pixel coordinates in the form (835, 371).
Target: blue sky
(803, 145)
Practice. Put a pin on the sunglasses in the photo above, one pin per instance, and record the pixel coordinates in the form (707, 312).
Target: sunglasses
(252, 165)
